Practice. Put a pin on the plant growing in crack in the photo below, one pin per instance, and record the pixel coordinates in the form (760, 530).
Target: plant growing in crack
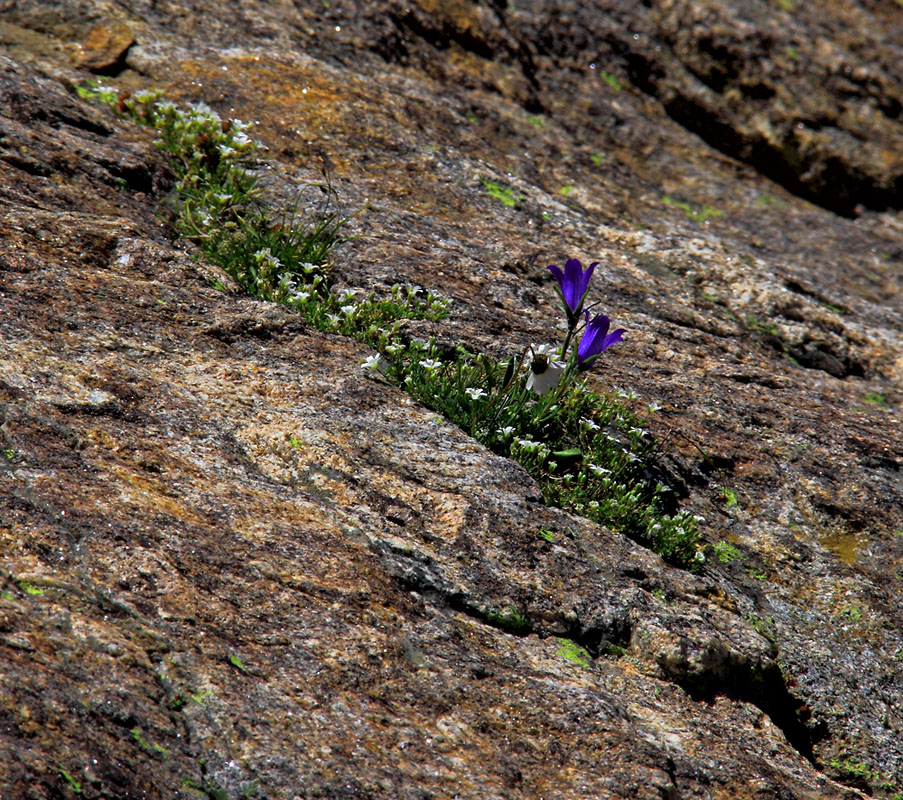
(589, 453)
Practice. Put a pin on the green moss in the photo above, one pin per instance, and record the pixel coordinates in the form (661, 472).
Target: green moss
(876, 398)
(701, 215)
(505, 195)
(574, 653)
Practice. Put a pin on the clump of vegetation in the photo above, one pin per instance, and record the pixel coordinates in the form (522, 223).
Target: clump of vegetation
(219, 195)
(508, 197)
(697, 215)
(589, 452)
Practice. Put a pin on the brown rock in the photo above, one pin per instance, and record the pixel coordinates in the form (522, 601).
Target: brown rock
(105, 46)
(193, 601)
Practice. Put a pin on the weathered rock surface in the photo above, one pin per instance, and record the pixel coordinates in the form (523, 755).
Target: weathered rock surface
(369, 609)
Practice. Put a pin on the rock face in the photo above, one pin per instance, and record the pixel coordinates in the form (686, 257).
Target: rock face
(234, 564)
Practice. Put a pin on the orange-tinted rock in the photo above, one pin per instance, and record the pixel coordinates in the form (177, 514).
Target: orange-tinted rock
(105, 46)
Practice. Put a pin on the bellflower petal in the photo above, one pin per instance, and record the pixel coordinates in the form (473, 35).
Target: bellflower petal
(573, 283)
(595, 340)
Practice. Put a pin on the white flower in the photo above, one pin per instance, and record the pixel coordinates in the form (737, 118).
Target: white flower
(600, 471)
(474, 394)
(545, 369)
(626, 394)
(264, 256)
(506, 431)
(653, 407)
(429, 363)
(349, 309)
(203, 110)
(528, 444)
(588, 424)
(373, 362)
(348, 294)
(335, 319)
(226, 152)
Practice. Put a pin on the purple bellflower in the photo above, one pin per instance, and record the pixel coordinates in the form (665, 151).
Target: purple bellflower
(573, 284)
(595, 340)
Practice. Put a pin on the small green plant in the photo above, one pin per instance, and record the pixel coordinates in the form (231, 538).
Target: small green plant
(758, 574)
(769, 200)
(763, 626)
(509, 620)
(535, 120)
(236, 662)
(31, 588)
(730, 499)
(726, 552)
(9, 453)
(876, 398)
(73, 784)
(611, 80)
(573, 652)
(295, 442)
(566, 189)
(507, 196)
(201, 696)
(660, 595)
(851, 612)
(549, 536)
(702, 215)
(597, 158)
(850, 768)
(754, 324)
(145, 745)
